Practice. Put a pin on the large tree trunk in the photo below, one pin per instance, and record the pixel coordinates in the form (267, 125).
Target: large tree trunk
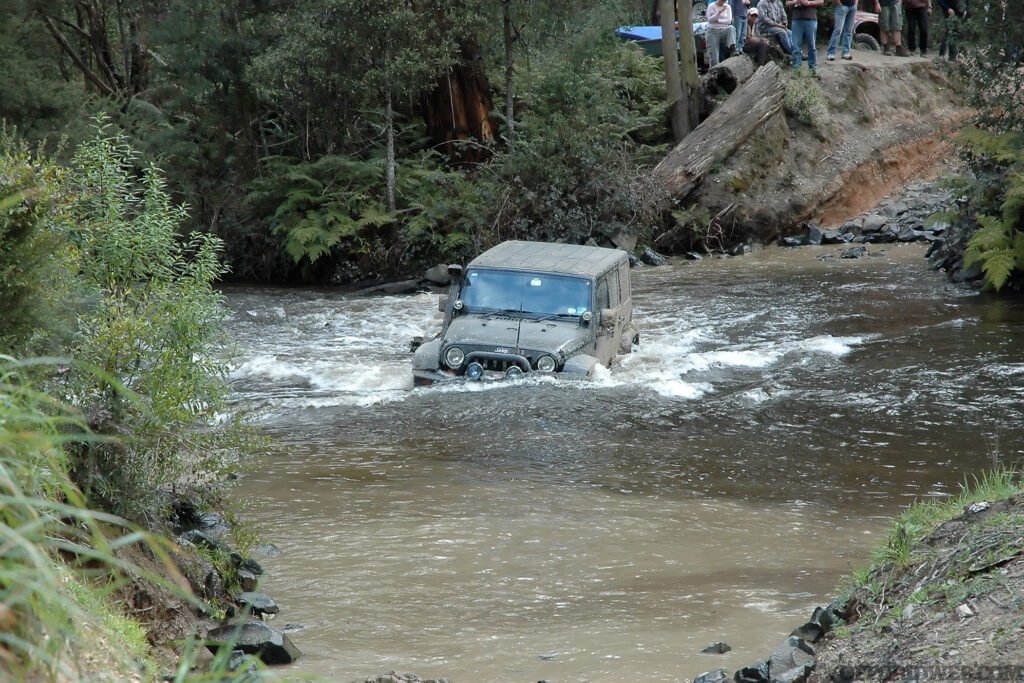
(673, 86)
(510, 111)
(717, 137)
(688, 50)
(458, 109)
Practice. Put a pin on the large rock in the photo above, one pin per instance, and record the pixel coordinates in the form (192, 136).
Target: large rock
(255, 638)
(438, 275)
(755, 673)
(395, 677)
(653, 258)
(259, 603)
(792, 661)
(716, 676)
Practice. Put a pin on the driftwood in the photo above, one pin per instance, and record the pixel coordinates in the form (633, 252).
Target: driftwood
(717, 137)
(727, 75)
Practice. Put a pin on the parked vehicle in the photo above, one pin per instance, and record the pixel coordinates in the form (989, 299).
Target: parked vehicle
(648, 38)
(524, 307)
(865, 30)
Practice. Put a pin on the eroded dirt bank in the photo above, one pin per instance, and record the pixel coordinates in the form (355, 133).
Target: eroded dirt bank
(834, 149)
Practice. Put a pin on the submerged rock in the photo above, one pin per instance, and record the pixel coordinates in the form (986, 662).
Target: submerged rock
(255, 638)
(716, 676)
(718, 648)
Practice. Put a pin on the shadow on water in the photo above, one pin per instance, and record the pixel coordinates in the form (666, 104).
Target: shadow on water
(714, 486)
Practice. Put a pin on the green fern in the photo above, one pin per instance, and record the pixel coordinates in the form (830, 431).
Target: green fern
(997, 199)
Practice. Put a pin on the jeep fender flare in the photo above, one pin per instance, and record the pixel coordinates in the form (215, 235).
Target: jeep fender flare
(427, 356)
(581, 364)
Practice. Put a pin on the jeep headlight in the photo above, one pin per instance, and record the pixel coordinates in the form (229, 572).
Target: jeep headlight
(546, 364)
(454, 357)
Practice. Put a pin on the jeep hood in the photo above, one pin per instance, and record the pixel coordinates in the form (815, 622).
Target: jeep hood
(553, 335)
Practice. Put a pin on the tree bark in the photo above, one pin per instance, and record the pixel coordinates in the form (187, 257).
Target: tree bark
(389, 125)
(728, 75)
(459, 108)
(717, 137)
(510, 121)
(673, 86)
(691, 82)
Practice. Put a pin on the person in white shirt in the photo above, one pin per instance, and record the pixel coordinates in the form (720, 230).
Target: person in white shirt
(720, 31)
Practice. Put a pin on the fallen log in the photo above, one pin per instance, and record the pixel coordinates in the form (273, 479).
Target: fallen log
(727, 75)
(717, 137)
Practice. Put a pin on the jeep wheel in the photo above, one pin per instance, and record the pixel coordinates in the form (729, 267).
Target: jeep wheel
(866, 41)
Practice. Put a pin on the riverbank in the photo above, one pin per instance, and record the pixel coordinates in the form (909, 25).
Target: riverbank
(834, 148)
(941, 601)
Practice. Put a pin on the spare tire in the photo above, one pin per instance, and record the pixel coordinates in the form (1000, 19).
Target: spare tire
(866, 41)
(699, 11)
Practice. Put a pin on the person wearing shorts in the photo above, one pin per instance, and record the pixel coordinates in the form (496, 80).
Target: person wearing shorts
(890, 24)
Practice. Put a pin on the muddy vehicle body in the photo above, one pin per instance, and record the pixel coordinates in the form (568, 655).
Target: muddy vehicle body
(525, 307)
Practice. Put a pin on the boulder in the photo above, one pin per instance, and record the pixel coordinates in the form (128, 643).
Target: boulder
(634, 260)
(792, 661)
(873, 222)
(718, 648)
(716, 676)
(652, 258)
(255, 638)
(810, 632)
(248, 580)
(624, 240)
(395, 677)
(814, 234)
(854, 252)
(832, 237)
(438, 275)
(755, 673)
(792, 241)
(259, 603)
(907, 234)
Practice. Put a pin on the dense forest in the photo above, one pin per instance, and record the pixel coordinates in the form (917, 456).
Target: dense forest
(340, 140)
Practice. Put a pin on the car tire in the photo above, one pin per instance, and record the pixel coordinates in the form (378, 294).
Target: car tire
(699, 11)
(866, 41)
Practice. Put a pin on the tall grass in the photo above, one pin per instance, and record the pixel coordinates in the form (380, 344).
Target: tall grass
(59, 560)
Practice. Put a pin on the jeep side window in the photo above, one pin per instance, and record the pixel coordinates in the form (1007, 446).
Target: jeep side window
(601, 294)
(613, 288)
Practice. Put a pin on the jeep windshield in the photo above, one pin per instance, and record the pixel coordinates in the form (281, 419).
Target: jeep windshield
(540, 294)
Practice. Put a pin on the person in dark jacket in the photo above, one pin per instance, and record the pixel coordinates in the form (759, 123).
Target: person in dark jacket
(918, 13)
(953, 11)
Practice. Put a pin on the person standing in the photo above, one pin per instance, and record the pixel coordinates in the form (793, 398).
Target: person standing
(953, 13)
(771, 21)
(805, 31)
(739, 21)
(918, 13)
(846, 12)
(720, 31)
(890, 25)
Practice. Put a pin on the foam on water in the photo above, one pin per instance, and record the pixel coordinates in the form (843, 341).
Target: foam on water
(338, 351)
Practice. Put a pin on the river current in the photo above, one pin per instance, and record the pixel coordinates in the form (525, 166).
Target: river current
(715, 485)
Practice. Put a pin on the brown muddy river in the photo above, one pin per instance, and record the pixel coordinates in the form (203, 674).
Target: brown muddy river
(717, 485)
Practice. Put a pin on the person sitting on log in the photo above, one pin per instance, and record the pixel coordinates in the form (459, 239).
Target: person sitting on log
(755, 45)
(772, 21)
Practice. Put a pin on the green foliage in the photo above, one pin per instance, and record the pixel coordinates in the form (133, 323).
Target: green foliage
(805, 100)
(334, 207)
(995, 204)
(62, 562)
(148, 359)
(26, 247)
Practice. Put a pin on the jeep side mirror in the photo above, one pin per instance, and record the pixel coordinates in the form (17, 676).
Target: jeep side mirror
(455, 272)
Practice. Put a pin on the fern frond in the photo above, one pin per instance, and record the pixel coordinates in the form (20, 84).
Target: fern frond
(997, 266)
